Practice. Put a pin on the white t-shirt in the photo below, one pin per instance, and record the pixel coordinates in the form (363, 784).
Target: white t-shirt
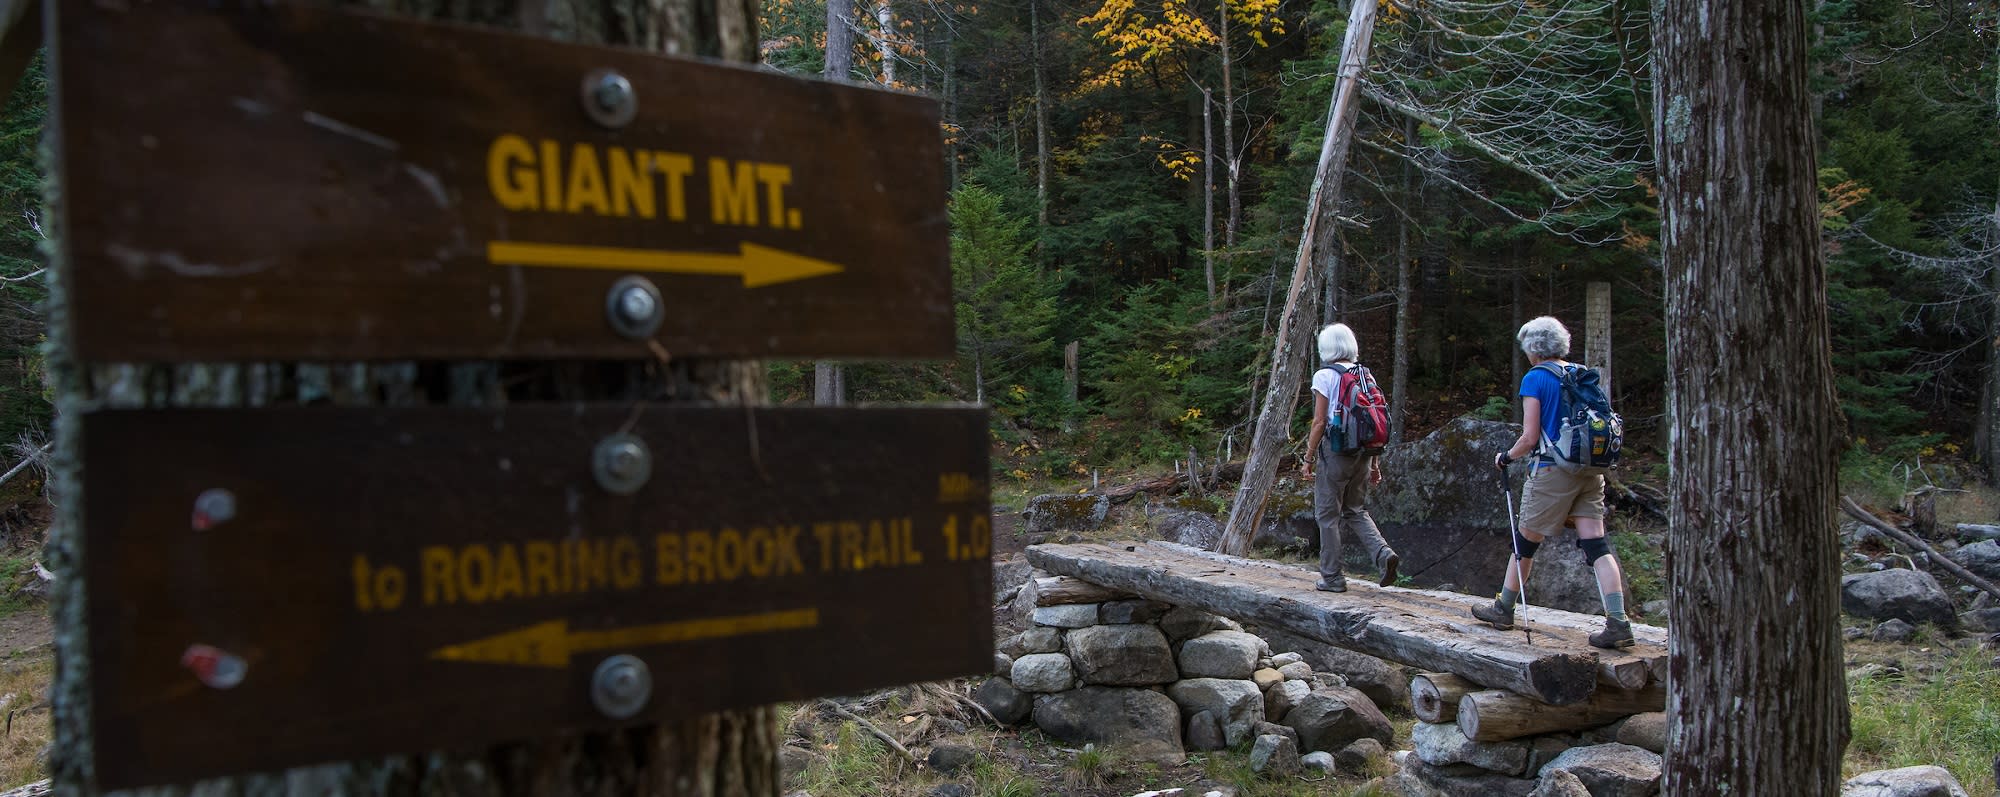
(1326, 382)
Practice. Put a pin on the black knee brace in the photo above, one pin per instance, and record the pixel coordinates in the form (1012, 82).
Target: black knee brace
(1524, 548)
(1594, 548)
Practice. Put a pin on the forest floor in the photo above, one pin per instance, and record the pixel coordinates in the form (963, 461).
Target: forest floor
(1935, 700)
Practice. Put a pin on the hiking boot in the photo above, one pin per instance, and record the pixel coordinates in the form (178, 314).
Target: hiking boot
(1389, 569)
(1334, 583)
(1496, 615)
(1616, 634)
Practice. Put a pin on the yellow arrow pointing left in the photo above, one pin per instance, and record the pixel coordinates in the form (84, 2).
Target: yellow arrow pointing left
(551, 644)
(758, 265)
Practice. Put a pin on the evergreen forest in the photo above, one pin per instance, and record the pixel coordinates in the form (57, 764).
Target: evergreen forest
(1130, 178)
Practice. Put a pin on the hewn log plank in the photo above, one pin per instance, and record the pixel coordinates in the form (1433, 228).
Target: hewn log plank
(1626, 668)
(1061, 590)
(1496, 715)
(1629, 668)
(1358, 620)
(1434, 696)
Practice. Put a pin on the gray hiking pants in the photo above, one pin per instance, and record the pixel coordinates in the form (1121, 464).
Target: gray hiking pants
(1339, 500)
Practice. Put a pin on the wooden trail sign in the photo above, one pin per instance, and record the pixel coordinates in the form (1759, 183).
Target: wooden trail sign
(256, 181)
(279, 587)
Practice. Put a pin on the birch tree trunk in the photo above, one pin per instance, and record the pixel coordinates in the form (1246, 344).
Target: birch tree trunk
(731, 753)
(1756, 673)
(1235, 160)
(1293, 349)
(1208, 191)
(1041, 124)
(885, 40)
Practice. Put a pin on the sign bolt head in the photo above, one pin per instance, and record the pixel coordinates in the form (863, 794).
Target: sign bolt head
(633, 308)
(608, 98)
(622, 464)
(621, 686)
(213, 507)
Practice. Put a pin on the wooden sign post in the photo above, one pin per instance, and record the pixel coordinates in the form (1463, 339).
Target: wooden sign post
(271, 587)
(287, 586)
(295, 182)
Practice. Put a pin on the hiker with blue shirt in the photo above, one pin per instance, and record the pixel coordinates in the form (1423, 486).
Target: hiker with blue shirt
(1341, 479)
(1554, 496)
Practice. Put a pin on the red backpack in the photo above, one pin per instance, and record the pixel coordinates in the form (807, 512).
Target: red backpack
(1358, 414)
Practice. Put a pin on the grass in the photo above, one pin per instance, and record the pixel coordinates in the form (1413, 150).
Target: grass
(1644, 566)
(21, 748)
(1951, 718)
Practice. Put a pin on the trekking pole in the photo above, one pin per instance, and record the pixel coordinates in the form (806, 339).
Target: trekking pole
(1514, 542)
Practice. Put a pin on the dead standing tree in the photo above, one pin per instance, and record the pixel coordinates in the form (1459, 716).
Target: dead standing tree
(1758, 694)
(1295, 327)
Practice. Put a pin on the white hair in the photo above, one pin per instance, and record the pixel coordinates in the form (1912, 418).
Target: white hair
(1336, 342)
(1544, 338)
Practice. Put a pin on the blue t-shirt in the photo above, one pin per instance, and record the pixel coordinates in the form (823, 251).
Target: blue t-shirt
(1540, 384)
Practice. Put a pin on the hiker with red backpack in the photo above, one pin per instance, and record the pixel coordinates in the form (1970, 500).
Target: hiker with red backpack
(1568, 427)
(1344, 455)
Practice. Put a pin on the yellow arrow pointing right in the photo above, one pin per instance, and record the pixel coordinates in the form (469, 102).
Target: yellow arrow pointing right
(757, 265)
(551, 644)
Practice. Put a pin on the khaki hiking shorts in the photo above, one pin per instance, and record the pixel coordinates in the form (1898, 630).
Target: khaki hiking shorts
(1552, 496)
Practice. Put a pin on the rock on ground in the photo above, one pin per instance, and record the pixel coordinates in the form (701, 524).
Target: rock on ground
(1204, 732)
(1043, 672)
(1443, 744)
(1054, 513)
(1322, 761)
(1146, 723)
(1330, 718)
(1381, 681)
(1908, 595)
(1893, 631)
(1138, 610)
(1274, 755)
(1982, 558)
(1419, 778)
(1923, 781)
(1560, 783)
(1039, 639)
(1121, 655)
(1356, 755)
(1611, 770)
(950, 758)
(1182, 623)
(1281, 699)
(1236, 704)
(1003, 701)
(1188, 527)
(1071, 615)
(1220, 654)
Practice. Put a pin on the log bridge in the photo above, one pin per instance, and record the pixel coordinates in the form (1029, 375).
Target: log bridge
(1545, 659)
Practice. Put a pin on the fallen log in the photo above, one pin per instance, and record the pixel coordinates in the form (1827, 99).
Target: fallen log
(1913, 543)
(1402, 631)
(1170, 483)
(1496, 715)
(1434, 696)
(1979, 531)
(1062, 590)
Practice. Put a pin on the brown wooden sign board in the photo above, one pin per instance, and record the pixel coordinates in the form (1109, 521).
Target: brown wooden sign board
(249, 180)
(380, 581)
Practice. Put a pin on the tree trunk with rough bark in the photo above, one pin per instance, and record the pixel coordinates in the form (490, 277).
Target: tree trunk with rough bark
(1208, 191)
(1757, 682)
(1399, 379)
(1294, 346)
(731, 753)
(1992, 391)
(1041, 122)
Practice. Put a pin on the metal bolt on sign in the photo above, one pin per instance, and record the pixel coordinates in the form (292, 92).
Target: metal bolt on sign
(633, 308)
(622, 464)
(608, 98)
(621, 686)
